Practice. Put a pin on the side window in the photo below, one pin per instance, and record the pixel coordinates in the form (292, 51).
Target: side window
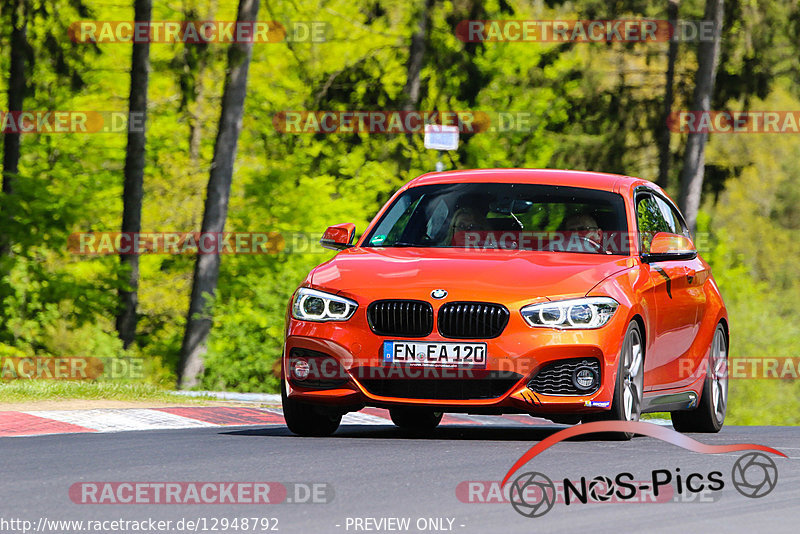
(651, 220)
(672, 217)
(672, 221)
(437, 227)
(401, 210)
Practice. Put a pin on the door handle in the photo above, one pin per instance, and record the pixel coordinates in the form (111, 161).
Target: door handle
(690, 273)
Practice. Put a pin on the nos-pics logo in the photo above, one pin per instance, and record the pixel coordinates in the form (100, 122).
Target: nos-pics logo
(533, 494)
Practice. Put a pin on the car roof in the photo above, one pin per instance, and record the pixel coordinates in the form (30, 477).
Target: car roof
(593, 180)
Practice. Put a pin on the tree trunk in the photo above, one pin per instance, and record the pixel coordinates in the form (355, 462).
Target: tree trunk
(196, 101)
(133, 189)
(416, 58)
(206, 272)
(664, 154)
(694, 157)
(16, 90)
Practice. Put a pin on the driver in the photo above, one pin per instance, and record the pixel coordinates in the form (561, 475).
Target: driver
(585, 226)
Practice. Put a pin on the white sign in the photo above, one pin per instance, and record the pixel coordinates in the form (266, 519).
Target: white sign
(439, 137)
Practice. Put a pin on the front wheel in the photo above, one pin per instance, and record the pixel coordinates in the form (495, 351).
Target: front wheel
(626, 405)
(710, 412)
(416, 419)
(307, 420)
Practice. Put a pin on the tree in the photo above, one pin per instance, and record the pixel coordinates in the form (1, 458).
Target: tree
(206, 272)
(133, 189)
(694, 157)
(25, 50)
(664, 155)
(190, 66)
(46, 48)
(416, 57)
(16, 89)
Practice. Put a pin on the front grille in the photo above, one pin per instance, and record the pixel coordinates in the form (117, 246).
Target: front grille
(555, 378)
(405, 318)
(472, 320)
(491, 386)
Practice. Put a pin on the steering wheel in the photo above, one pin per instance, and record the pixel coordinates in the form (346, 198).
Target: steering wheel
(590, 245)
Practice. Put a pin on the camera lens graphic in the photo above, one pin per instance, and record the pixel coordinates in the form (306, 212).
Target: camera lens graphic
(601, 489)
(532, 494)
(754, 475)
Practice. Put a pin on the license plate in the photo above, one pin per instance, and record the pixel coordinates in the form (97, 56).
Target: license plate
(430, 354)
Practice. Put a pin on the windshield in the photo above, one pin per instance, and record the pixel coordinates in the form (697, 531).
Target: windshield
(504, 216)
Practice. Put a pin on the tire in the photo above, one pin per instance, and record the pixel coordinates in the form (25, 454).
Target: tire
(709, 416)
(306, 419)
(626, 404)
(416, 419)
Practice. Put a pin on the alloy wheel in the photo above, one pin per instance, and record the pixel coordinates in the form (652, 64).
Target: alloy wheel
(633, 379)
(719, 375)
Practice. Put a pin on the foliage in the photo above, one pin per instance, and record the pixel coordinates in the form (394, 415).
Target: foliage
(754, 253)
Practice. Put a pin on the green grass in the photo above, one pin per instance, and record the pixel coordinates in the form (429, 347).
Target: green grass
(41, 390)
(656, 415)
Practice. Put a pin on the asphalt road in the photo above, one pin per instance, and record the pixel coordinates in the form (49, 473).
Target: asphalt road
(380, 472)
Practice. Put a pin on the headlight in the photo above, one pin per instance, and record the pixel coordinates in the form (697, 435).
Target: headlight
(592, 312)
(313, 305)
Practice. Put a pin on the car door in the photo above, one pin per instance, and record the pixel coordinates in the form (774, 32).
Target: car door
(676, 296)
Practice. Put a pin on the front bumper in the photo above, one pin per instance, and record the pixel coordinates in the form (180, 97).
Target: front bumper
(516, 356)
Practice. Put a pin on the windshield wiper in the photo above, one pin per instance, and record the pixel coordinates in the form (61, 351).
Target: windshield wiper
(405, 244)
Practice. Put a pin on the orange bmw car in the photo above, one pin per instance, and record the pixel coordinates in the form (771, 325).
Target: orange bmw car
(574, 296)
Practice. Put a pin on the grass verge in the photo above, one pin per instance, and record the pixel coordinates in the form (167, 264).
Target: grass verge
(41, 390)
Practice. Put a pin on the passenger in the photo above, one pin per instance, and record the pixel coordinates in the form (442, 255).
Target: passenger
(466, 219)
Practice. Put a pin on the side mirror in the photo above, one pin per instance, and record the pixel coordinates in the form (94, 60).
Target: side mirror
(667, 247)
(338, 236)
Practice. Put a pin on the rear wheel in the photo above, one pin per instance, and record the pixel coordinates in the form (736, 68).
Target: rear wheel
(416, 419)
(626, 405)
(709, 415)
(306, 419)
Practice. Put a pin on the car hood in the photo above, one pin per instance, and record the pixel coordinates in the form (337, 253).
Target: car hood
(481, 275)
